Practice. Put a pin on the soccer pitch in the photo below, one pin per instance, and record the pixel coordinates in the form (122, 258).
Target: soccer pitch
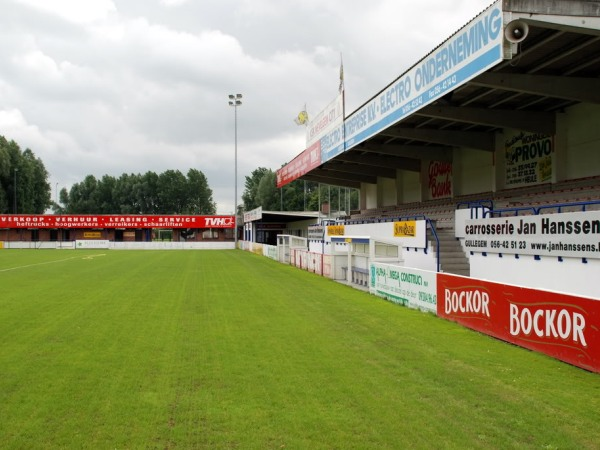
(227, 349)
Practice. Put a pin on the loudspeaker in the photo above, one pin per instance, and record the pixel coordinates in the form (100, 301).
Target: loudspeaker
(516, 31)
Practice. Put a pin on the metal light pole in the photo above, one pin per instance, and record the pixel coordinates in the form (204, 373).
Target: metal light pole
(235, 101)
(15, 196)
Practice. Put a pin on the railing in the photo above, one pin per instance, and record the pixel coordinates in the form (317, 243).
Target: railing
(473, 204)
(515, 211)
(427, 220)
(583, 205)
(536, 210)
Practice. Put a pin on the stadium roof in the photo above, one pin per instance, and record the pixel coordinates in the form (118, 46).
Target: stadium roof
(556, 66)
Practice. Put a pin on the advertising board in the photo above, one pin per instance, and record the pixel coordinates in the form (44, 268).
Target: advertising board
(575, 234)
(562, 326)
(410, 287)
(114, 221)
(300, 165)
(472, 50)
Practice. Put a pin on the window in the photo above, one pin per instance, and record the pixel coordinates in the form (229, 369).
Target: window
(210, 234)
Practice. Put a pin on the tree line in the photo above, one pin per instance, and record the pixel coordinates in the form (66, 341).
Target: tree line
(261, 191)
(24, 189)
(24, 186)
(170, 192)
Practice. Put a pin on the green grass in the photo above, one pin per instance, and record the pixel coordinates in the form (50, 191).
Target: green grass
(226, 349)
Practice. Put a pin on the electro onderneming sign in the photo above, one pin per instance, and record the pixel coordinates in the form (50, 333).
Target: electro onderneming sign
(471, 51)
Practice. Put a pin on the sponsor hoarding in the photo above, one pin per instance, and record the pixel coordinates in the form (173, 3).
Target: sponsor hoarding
(411, 233)
(439, 179)
(409, 287)
(303, 163)
(574, 235)
(255, 214)
(562, 326)
(114, 221)
(528, 159)
(472, 50)
(332, 144)
(326, 121)
(96, 243)
(336, 230)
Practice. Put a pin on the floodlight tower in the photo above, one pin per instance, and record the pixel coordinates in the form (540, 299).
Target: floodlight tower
(235, 100)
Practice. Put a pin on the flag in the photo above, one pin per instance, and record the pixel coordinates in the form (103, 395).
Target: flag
(341, 88)
(302, 117)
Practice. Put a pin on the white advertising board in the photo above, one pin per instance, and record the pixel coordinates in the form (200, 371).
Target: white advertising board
(324, 122)
(92, 243)
(407, 286)
(472, 50)
(562, 234)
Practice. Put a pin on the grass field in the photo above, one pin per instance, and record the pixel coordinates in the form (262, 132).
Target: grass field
(226, 349)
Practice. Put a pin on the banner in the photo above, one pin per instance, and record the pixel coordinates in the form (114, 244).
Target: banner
(562, 326)
(574, 235)
(253, 215)
(303, 163)
(529, 159)
(114, 221)
(326, 121)
(469, 52)
(439, 179)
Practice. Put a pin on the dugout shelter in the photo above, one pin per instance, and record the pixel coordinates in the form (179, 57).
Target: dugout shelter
(264, 227)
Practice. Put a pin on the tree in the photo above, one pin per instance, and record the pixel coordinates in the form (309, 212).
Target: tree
(249, 197)
(124, 201)
(199, 195)
(32, 189)
(82, 197)
(267, 194)
(147, 193)
(168, 193)
(298, 195)
(172, 190)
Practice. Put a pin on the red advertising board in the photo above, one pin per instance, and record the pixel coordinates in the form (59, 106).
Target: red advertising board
(113, 221)
(300, 165)
(562, 326)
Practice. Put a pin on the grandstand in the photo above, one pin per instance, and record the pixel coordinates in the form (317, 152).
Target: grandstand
(480, 160)
(509, 128)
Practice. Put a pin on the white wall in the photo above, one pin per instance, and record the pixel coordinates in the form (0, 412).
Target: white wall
(472, 171)
(386, 192)
(410, 186)
(583, 141)
(569, 276)
(369, 193)
(300, 226)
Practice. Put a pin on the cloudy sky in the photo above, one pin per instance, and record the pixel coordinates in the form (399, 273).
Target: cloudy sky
(129, 86)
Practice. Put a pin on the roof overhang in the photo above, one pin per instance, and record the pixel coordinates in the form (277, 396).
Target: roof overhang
(556, 66)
